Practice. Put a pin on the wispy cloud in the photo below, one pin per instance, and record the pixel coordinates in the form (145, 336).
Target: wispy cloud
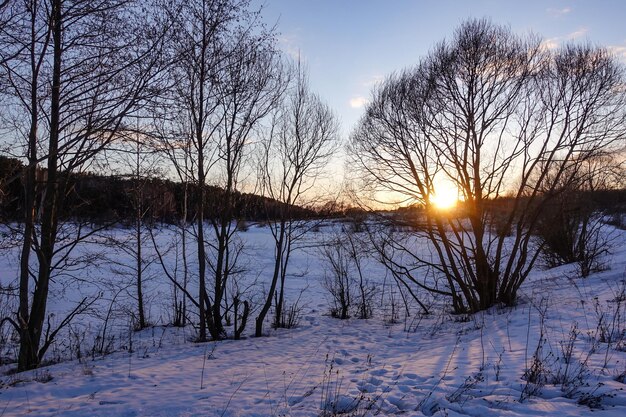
(373, 80)
(358, 102)
(578, 33)
(558, 12)
(553, 43)
(619, 51)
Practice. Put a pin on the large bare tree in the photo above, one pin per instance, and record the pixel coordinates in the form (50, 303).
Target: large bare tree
(504, 120)
(81, 68)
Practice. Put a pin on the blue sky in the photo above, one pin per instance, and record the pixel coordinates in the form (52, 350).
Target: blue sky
(349, 45)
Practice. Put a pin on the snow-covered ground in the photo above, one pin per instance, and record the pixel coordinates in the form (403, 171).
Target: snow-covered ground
(561, 350)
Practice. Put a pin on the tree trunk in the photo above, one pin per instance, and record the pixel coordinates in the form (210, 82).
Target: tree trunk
(29, 356)
(138, 226)
(183, 312)
(268, 301)
(216, 328)
(138, 254)
(30, 190)
(202, 296)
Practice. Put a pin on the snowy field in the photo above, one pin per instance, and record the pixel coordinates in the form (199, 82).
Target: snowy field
(560, 351)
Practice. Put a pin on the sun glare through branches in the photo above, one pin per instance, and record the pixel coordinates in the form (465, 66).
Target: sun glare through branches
(445, 197)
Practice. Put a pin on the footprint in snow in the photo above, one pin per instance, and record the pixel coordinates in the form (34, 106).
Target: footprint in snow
(110, 402)
(400, 402)
(375, 381)
(366, 388)
(379, 372)
(404, 388)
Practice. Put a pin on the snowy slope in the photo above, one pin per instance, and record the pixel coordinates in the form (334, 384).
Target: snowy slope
(421, 365)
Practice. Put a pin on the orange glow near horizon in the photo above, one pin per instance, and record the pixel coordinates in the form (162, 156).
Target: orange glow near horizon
(446, 196)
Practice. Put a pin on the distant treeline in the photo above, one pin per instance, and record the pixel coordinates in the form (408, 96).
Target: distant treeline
(568, 203)
(100, 199)
(606, 200)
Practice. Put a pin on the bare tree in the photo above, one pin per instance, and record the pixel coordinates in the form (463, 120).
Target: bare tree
(225, 81)
(177, 148)
(345, 279)
(29, 40)
(337, 280)
(139, 163)
(301, 141)
(79, 71)
(251, 88)
(570, 226)
(493, 114)
(201, 32)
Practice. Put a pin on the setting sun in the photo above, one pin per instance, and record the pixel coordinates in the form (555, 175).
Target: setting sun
(446, 197)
